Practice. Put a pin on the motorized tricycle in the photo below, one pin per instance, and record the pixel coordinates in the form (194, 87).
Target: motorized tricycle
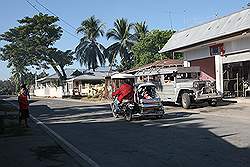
(146, 101)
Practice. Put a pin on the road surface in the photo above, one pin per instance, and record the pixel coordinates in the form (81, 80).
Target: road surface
(183, 138)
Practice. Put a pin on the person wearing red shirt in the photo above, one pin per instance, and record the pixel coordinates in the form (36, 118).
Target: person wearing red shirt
(126, 91)
(23, 107)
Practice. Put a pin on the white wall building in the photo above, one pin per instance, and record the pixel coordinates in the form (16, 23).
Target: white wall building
(78, 83)
(221, 48)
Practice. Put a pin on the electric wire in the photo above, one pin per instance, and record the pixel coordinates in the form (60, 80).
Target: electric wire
(33, 6)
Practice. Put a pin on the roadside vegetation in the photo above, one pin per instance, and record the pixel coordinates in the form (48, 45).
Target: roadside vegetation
(9, 121)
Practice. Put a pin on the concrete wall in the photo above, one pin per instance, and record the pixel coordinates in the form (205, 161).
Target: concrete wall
(237, 44)
(198, 53)
(49, 92)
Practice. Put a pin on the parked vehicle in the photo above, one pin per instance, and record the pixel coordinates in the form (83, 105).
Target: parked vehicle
(146, 101)
(181, 85)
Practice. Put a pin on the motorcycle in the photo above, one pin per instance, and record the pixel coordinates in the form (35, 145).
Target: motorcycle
(125, 109)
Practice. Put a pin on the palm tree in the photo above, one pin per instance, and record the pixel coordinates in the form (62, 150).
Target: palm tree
(121, 33)
(141, 29)
(89, 51)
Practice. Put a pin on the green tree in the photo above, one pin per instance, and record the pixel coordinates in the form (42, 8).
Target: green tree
(89, 51)
(121, 33)
(31, 43)
(146, 49)
(7, 87)
(141, 29)
(18, 75)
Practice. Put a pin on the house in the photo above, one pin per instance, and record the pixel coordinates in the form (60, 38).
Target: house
(90, 83)
(78, 83)
(221, 48)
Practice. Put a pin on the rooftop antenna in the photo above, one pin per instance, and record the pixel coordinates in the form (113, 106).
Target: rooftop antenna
(185, 18)
(170, 19)
(216, 15)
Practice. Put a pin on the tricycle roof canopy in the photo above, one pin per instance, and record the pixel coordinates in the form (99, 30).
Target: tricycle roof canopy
(122, 76)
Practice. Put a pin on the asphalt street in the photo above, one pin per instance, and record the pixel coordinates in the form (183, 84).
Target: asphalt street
(182, 138)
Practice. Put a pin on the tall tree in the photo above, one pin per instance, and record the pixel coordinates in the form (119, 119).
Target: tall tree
(141, 29)
(31, 43)
(146, 49)
(121, 33)
(89, 52)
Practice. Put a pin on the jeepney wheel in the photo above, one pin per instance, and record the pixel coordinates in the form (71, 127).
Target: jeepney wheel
(185, 100)
(128, 114)
(212, 103)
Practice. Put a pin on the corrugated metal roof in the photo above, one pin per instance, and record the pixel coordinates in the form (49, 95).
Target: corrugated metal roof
(226, 25)
(96, 75)
(167, 70)
(158, 63)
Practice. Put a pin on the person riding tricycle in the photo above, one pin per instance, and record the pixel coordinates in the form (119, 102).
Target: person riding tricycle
(123, 94)
(130, 99)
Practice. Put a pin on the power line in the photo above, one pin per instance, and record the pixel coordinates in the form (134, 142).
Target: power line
(55, 15)
(33, 6)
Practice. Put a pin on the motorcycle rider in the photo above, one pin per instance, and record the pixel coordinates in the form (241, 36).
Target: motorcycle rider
(126, 91)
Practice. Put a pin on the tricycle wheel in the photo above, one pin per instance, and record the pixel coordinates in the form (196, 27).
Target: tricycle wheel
(161, 116)
(212, 103)
(115, 115)
(128, 115)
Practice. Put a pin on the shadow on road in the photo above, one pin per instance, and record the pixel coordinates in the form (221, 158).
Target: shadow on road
(200, 105)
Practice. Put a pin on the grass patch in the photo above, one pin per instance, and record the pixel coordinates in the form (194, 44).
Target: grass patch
(9, 124)
(11, 128)
(7, 107)
(95, 100)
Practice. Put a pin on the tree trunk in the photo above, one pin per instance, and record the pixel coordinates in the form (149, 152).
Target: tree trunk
(58, 73)
(106, 93)
(64, 75)
(63, 72)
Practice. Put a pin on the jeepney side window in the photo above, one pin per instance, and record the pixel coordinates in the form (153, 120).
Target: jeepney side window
(181, 76)
(168, 78)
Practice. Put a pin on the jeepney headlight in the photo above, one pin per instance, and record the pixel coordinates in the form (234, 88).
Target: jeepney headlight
(196, 85)
(208, 83)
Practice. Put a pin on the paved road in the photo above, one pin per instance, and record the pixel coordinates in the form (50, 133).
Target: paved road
(181, 139)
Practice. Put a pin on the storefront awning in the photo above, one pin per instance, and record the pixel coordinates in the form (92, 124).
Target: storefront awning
(237, 57)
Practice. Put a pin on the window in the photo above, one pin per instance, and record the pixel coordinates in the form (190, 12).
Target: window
(168, 78)
(70, 86)
(217, 50)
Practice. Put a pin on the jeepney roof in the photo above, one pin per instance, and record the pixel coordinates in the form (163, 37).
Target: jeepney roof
(169, 70)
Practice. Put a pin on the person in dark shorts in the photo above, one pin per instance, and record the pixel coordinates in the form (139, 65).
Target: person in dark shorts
(23, 108)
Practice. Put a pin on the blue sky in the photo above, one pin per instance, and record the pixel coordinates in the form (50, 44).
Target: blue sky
(159, 14)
